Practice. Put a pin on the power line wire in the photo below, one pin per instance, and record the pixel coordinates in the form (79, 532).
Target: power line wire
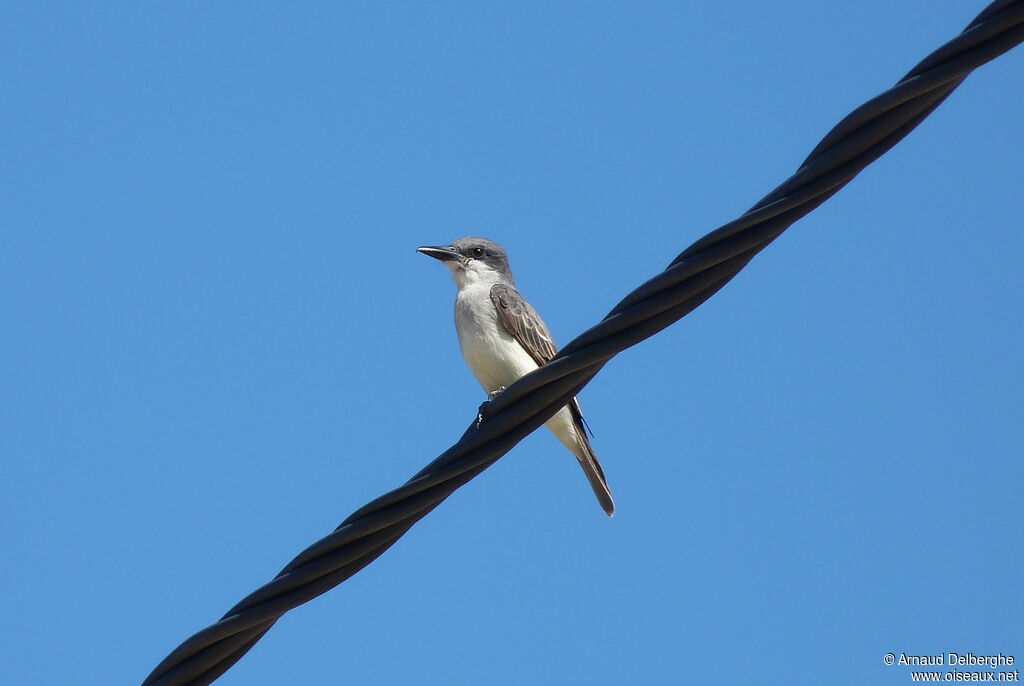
(693, 276)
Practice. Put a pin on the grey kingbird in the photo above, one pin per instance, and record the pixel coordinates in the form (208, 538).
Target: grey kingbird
(503, 338)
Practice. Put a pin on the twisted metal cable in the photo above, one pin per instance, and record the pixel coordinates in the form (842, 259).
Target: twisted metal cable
(692, 277)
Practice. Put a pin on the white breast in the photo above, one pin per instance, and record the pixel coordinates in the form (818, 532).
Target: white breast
(492, 354)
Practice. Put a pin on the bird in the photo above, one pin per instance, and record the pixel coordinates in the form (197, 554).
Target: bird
(502, 338)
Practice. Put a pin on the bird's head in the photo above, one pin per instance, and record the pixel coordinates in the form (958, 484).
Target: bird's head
(472, 260)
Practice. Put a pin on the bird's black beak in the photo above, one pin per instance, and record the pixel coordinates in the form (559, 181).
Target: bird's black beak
(443, 253)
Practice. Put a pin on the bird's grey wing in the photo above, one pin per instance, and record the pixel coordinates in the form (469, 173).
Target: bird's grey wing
(523, 322)
(526, 326)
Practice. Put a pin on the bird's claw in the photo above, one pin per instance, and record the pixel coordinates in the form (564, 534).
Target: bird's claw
(480, 411)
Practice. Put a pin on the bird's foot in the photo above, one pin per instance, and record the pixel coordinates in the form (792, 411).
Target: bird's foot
(480, 412)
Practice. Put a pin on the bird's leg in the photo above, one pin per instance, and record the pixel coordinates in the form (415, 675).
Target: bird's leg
(490, 396)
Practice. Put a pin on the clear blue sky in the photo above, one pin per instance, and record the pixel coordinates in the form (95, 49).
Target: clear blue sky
(218, 340)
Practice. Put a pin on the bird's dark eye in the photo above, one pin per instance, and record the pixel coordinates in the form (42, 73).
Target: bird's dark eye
(478, 252)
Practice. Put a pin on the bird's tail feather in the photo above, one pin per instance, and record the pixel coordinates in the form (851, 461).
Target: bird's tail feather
(588, 461)
(595, 475)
